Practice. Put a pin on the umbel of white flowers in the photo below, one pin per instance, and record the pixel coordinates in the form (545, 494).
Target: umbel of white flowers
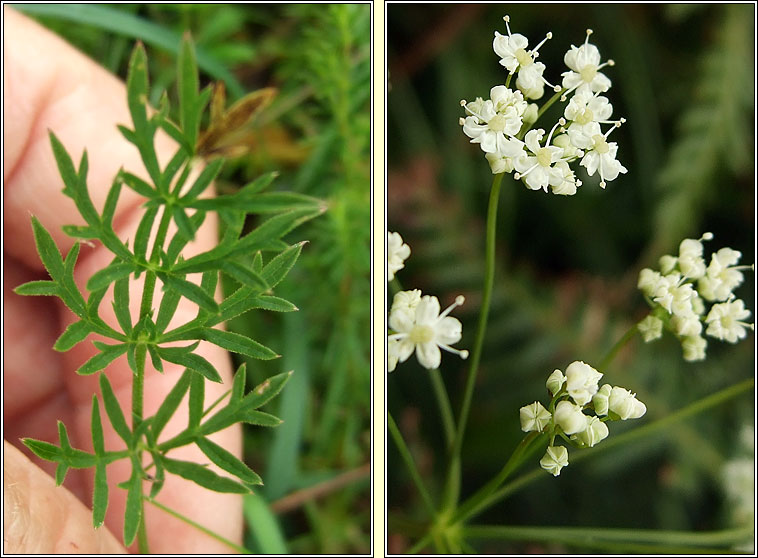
(572, 394)
(415, 321)
(501, 124)
(678, 294)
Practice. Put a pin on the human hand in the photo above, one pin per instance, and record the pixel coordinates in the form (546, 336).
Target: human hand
(51, 86)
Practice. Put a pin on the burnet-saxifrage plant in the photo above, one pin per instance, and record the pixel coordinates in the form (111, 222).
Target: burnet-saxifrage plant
(580, 408)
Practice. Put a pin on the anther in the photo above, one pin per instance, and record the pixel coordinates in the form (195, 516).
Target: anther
(463, 102)
(707, 236)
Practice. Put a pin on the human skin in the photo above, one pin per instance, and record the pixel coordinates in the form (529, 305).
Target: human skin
(51, 86)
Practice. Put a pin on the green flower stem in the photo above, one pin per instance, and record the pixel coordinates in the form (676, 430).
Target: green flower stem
(630, 333)
(526, 447)
(548, 104)
(443, 401)
(663, 424)
(642, 541)
(188, 521)
(408, 460)
(452, 484)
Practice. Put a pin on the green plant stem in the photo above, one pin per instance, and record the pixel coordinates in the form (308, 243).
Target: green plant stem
(526, 447)
(547, 105)
(620, 540)
(662, 424)
(409, 463)
(142, 544)
(188, 521)
(443, 401)
(630, 333)
(425, 540)
(452, 484)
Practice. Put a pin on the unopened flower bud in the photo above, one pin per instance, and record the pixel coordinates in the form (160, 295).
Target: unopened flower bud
(555, 459)
(570, 417)
(534, 417)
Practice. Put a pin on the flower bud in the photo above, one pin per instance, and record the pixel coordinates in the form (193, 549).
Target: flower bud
(555, 459)
(600, 400)
(693, 348)
(581, 382)
(534, 417)
(596, 432)
(555, 381)
(651, 328)
(623, 402)
(570, 417)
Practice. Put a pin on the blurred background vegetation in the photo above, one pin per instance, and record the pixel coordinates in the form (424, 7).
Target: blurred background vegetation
(565, 286)
(316, 133)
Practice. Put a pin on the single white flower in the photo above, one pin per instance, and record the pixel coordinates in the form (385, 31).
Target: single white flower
(426, 331)
(584, 63)
(600, 400)
(555, 381)
(624, 403)
(648, 281)
(722, 275)
(651, 328)
(570, 417)
(534, 417)
(596, 432)
(686, 325)
(397, 253)
(690, 260)
(570, 182)
(581, 382)
(499, 163)
(693, 348)
(601, 157)
(586, 112)
(674, 295)
(516, 58)
(536, 165)
(570, 151)
(493, 123)
(406, 301)
(725, 321)
(555, 459)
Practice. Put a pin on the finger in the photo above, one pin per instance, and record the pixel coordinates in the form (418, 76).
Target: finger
(41, 518)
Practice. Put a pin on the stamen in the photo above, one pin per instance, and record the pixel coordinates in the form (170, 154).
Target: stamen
(707, 236)
(518, 176)
(463, 353)
(507, 19)
(561, 122)
(459, 300)
(535, 49)
(587, 38)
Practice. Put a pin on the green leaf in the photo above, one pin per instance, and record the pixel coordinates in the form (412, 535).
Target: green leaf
(98, 439)
(259, 184)
(137, 89)
(99, 495)
(60, 473)
(196, 400)
(133, 512)
(80, 231)
(273, 228)
(274, 202)
(138, 185)
(228, 462)
(48, 251)
(203, 476)
(94, 300)
(113, 410)
(183, 222)
(121, 304)
(258, 262)
(142, 236)
(74, 333)
(102, 359)
(273, 303)
(237, 343)
(173, 166)
(239, 383)
(188, 91)
(171, 403)
(109, 210)
(243, 275)
(110, 274)
(37, 288)
(207, 176)
(278, 268)
(179, 241)
(259, 418)
(155, 358)
(75, 183)
(190, 291)
(167, 309)
(181, 356)
(43, 450)
(266, 390)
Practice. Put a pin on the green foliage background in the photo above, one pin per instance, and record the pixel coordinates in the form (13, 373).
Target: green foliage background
(316, 133)
(565, 287)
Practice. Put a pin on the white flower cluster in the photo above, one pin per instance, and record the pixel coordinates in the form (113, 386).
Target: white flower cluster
(573, 393)
(679, 291)
(415, 321)
(501, 124)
